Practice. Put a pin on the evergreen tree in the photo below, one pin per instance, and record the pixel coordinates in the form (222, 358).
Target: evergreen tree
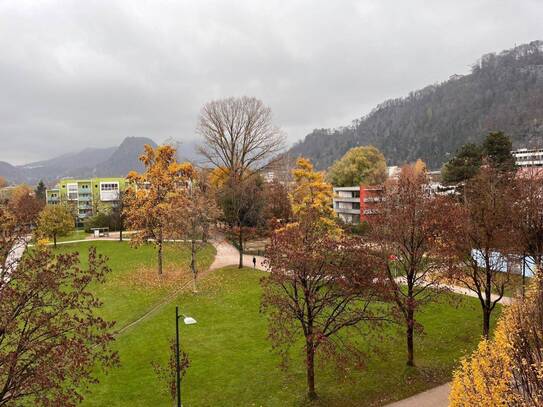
(497, 150)
(464, 165)
(40, 191)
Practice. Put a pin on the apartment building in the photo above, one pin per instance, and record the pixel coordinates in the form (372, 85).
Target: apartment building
(370, 196)
(86, 196)
(525, 157)
(347, 203)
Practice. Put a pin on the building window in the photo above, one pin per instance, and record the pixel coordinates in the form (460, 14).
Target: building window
(72, 192)
(109, 191)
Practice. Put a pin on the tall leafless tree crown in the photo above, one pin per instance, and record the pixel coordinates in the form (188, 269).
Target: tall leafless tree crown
(238, 134)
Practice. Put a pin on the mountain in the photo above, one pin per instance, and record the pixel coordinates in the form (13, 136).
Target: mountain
(124, 159)
(503, 92)
(89, 156)
(9, 172)
(112, 161)
(66, 165)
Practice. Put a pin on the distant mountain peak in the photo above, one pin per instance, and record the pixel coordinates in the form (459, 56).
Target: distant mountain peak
(111, 161)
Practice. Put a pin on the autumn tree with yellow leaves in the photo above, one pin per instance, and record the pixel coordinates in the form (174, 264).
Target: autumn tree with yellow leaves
(506, 370)
(152, 195)
(55, 221)
(311, 193)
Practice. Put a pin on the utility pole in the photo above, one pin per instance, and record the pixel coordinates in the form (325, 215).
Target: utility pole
(177, 370)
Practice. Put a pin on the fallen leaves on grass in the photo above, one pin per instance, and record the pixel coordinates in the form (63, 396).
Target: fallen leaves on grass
(147, 277)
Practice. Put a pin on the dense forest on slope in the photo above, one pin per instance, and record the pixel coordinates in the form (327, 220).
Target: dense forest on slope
(503, 92)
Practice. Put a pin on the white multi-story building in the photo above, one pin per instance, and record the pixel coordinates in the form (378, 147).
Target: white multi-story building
(525, 157)
(347, 203)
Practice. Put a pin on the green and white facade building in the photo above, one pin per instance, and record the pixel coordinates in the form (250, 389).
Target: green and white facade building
(87, 196)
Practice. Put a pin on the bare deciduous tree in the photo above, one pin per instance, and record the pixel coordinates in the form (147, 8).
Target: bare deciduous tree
(239, 138)
(238, 134)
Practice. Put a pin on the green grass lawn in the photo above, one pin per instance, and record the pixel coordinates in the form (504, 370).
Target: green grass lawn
(78, 234)
(232, 363)
(124, 299)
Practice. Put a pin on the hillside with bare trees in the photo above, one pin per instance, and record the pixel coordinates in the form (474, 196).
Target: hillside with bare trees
(503, 92)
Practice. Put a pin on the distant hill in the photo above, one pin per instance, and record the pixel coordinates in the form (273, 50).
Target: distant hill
(9, 172)
(124, 159)
(503, 92)
(112, 161)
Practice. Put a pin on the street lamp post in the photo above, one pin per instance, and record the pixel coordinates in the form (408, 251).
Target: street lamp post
(187, 321)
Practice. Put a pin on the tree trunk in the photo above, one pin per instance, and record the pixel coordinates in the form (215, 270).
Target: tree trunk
(409, 331)
(488, 301)
(310, 362)
(205, 232)
(55, 240)
(159, 243)
(121, 233)
(193, 264)
(240, 242)
(486, 322)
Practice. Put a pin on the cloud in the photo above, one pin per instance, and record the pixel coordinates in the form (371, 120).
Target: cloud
(77, 74)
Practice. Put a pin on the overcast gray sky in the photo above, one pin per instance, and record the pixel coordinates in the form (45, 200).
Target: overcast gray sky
(77, 74)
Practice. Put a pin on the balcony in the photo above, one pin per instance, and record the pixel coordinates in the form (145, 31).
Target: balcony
(338, 198)
(347, 210)
(85, 198)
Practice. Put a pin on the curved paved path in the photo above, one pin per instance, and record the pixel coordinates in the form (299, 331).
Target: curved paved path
(436, 397)
(228, 255)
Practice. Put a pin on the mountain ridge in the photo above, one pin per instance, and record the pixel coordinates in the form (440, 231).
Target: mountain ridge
(89, 162)
(503, 92)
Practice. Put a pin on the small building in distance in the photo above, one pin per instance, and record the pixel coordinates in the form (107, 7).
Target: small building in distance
(86, 196)
(358, 203)
(525, 157)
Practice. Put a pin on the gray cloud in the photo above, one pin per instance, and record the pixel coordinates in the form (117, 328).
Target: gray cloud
(77, 74)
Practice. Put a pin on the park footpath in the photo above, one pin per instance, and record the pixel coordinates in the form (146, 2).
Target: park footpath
(228, 255)
(14, 257)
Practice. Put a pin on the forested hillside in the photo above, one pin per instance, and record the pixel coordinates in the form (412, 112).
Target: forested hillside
(503, 92)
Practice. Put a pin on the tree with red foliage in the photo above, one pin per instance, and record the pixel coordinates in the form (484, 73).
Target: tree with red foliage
(408, 231)
(24, 205)
(528, 213)
(51, 339)
(318, 286)
(485, 238)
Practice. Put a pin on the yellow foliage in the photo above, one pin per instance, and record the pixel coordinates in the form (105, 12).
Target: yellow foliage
(484, 378)
(312, 193)
(42, 242)
(149, 206)
(218, 177)
(419, 166)
(507, 369)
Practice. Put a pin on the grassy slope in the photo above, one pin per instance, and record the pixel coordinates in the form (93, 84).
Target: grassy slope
(232, 363)
(125, 302)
